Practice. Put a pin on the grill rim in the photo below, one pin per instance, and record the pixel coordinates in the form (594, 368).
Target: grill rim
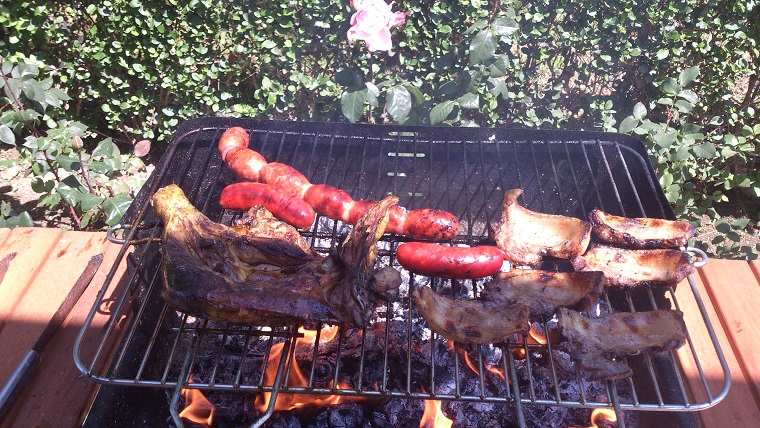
(195, 127)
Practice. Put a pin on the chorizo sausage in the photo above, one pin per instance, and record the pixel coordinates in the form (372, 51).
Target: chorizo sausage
(444, 261)
(283, 205)
(327, 200)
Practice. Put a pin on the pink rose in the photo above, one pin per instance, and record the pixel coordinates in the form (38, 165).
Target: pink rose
(372, 22)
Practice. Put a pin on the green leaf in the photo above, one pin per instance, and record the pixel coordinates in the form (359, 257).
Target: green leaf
(115, 207)
(476, 26)
(441, 112)
(740, 223)
(498, 66)
(352, 103)
(684, 106)
(639, 111)
(89, 201)
(705, 150)
(665, 139)
(470, 101)
(6, 135)
(688, 76)
(505, 26)
(497, 86)
(682, 154)
(670, 86)
(722, 226)
(348, 78)
(106, 149)
(482, 47)
(70, 195)
(689, 96)
(398, 102)
(628, 124)
(69, 163)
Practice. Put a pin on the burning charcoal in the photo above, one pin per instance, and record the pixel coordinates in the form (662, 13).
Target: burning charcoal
(284, 420)
(480, 415)
(380, 420)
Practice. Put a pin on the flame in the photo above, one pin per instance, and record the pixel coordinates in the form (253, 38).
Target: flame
(605, 414)
(466, 357)
(197, 408)
(598, 416)
(433, 417)
(534, 338)
(297, 378)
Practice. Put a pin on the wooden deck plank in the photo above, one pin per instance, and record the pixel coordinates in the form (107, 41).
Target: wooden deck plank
(32, 246)
(738, 408)
(57, 370)
(56, 276)
(735, 293)
(4, 232)
(755, 265)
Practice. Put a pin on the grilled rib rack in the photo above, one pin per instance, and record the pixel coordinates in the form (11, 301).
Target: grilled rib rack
(462, 170)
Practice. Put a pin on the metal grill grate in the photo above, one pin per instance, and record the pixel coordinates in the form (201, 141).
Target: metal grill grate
(464, 171)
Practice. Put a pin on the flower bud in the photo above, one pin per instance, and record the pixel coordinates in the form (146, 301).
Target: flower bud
(77, 143)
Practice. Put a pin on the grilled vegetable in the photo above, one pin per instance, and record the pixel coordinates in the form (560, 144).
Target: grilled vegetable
(526, 236)
(261, 271)
(640, 232)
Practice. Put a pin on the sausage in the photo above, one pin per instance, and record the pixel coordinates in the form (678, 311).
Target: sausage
(444, 261)
(283, 205)
(327, 200)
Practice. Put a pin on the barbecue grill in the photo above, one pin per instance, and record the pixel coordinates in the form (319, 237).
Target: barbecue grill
(462, 170)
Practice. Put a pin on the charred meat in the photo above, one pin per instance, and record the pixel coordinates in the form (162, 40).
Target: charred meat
(628, 268)
(597, 345)
(261, 271)
(526, 236)
(470, 320)
(640, 232)
(542, 292)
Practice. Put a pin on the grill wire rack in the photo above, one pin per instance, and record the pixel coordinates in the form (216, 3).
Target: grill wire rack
(463, 171)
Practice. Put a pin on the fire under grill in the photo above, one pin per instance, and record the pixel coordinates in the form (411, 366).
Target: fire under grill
(463, 171)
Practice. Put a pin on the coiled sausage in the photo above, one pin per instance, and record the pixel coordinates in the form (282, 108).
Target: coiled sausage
(283, 205)
(325, 199)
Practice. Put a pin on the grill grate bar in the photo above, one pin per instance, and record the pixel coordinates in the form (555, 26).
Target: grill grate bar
(462, 171)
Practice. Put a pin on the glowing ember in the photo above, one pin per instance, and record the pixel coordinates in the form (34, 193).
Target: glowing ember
(297, 378)
(433, 417)
(197, 408)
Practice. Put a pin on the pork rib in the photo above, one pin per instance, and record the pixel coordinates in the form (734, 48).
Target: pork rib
(597, 345)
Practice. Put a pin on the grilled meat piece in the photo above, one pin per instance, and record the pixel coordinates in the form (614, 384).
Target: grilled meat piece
(470, 321)
(640, 232)
(593, 343)
(525, 236)
(628, 268)
(542, 292)
(261, 271)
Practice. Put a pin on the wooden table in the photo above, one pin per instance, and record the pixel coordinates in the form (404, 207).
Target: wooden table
(43, 268)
